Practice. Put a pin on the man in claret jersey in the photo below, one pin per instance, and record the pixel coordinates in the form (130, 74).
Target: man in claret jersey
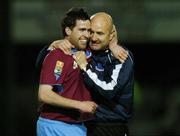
(66, 102)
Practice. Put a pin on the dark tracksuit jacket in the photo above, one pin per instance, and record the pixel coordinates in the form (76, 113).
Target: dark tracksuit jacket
(111, 86)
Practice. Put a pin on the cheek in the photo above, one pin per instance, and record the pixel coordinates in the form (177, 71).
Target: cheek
(105, 40)
(76, 36)
(108, 39)
(74, 39)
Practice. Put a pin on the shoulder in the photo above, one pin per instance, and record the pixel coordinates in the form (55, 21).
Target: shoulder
(56, 54)
(128, 62)
(130, 57)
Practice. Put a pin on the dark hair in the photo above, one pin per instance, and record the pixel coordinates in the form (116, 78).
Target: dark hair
(71, 16)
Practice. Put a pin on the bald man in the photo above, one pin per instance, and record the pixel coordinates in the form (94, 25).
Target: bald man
(110, 82)
(101, 31)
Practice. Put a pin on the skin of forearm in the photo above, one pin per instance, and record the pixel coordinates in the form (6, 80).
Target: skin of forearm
(112, 46)
(51, 98)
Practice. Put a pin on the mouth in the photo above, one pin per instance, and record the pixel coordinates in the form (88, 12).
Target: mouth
(95, 43)
(84, 41)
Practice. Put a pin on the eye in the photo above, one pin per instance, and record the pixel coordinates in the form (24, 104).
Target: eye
(82, 29)
(100, 33)
(91, 32)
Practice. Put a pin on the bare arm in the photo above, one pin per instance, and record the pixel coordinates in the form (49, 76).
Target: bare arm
(46, 95)
(63, 44)
(117, 51)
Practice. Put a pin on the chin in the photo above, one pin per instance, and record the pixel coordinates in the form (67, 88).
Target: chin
(82, 47)
(94, 48)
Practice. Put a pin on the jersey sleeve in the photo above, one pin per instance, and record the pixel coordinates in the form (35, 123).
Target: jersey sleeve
(53, 69)
(121, 75)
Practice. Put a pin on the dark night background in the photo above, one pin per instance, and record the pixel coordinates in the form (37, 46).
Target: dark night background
(149, 28)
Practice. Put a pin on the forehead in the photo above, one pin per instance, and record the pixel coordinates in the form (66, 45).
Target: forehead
(99, 26)
(83, 24)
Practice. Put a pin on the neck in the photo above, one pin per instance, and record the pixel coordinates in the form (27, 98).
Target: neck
(100, 52)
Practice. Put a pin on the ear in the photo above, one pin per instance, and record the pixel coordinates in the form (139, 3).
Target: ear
(113, 35)
(68, 31)
(112, 32)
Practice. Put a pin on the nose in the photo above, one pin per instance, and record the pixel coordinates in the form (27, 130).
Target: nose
(93, 37)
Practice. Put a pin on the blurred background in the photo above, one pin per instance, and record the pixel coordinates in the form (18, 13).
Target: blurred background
(149, 28)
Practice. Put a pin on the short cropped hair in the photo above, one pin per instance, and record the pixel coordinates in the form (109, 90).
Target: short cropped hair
(71, 17)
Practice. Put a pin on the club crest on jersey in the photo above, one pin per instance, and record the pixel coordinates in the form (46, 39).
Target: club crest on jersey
(88, 54)
(75, 65)
(58, 69)
(99, 67)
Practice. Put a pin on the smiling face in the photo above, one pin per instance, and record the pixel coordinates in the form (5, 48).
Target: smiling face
(101, 28)
(80, 34)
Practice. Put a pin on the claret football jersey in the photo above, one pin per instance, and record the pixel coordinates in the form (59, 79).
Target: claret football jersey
(63, 74)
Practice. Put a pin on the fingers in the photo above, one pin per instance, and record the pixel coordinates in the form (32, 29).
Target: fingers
(53, 45)
(123, 56)
(80, 58)
(93, 110)
(80, 55)
(64, 45)
(121, 60)
(94, 106)
(87, 106)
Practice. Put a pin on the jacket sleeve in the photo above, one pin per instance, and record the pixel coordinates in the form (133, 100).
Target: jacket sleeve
(40, 58)
(121, 75)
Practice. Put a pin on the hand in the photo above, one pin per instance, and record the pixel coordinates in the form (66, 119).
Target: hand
(64, 45)
(80, 58)
(87, 106)
(117, 51)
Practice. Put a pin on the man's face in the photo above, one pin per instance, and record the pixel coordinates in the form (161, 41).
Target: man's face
(80, 34)
(100, 35)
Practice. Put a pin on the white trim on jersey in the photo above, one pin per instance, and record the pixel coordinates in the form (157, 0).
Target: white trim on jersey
(104, 85)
